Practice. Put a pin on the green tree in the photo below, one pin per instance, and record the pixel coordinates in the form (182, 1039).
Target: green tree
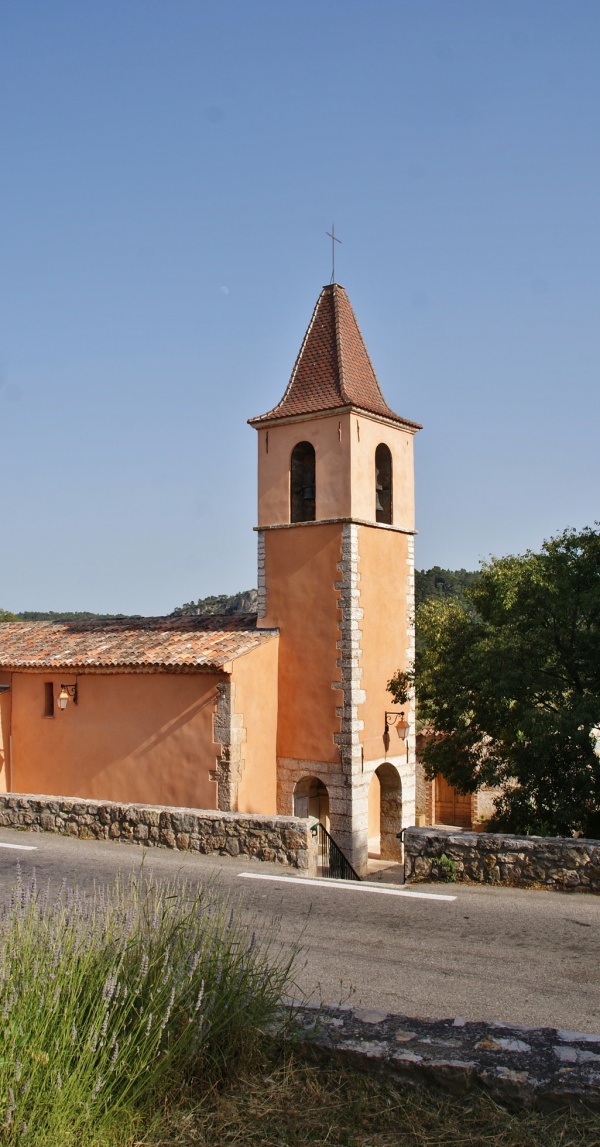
(5, 615)
(511, 687)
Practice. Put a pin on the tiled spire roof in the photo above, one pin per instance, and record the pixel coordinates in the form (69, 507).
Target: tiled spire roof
(333, 368)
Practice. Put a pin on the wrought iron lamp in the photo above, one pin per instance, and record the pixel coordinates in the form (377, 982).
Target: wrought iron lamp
(67, 691)
(397, 719)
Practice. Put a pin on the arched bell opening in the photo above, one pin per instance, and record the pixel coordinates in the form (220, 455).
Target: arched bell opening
(390, 811)
(302, 483)
(383, 484)
(311, 798)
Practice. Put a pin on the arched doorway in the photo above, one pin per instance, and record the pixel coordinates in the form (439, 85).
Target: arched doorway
(312, 799)
(385, 813)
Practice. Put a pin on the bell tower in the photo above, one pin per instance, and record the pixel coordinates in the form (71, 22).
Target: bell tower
(336, 576)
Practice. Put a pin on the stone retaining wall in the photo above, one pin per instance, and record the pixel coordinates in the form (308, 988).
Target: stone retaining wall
(533, 1067)
(567, 864)
(279, 839)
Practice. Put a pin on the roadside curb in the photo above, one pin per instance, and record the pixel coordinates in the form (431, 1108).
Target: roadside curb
(546, 1068)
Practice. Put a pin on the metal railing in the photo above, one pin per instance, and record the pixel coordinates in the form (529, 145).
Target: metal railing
(331, 861)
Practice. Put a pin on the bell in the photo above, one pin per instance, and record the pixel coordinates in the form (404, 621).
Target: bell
(378, 505)
(309, 492)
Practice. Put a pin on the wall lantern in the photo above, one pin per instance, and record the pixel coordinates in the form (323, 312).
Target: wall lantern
(401, 724)
(67, 691)
(398, 720)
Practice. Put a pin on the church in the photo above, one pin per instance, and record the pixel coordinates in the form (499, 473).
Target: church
(283, 712)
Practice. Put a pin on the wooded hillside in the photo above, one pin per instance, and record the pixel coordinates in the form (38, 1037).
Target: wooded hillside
(433, 583)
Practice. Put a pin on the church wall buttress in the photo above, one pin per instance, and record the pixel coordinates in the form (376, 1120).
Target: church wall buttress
(408, 817)
(255, 678)
(349, 646)
(262, 577)
(352, 817)
(230, 734)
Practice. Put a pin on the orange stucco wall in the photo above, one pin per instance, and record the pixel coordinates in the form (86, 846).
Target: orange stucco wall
(301, 572)
(345, 468)
(255, 679)
(365, 435)
(331, 440)
(132, 737)
(383, 573)
(5, 723)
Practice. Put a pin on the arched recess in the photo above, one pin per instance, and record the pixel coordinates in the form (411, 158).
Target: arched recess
(383, 484)
(311, 798)
(390, 811)
(302, 483)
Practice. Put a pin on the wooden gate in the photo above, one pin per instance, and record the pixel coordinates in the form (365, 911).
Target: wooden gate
(451, 807)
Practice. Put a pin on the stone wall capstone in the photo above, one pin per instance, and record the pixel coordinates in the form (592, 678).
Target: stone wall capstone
(563, 863)
(279, 839)
(515, 1065)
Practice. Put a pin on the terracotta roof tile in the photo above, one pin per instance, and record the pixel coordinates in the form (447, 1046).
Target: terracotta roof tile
(185, 642)
(333, 368)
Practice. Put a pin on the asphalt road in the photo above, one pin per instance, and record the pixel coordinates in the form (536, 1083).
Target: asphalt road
(483, 953)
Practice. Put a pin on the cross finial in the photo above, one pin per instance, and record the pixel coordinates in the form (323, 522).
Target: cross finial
(334, 240)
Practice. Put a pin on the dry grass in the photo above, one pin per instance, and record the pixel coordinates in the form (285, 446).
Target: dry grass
(290, 1100)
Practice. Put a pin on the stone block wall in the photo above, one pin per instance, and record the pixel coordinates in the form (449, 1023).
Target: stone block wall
(279, 839)
(499, 858)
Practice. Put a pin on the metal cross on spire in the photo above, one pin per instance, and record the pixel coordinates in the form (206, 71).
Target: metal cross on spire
(334, 240)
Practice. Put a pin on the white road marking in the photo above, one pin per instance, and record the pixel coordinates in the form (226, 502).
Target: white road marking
(348, 885)
(23, 847)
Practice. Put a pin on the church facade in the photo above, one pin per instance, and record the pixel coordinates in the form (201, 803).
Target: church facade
(284, 712)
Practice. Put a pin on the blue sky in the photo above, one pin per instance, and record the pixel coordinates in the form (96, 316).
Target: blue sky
(168, 174)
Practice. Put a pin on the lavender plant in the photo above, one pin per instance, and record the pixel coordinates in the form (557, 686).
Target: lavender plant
(109, 1001)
